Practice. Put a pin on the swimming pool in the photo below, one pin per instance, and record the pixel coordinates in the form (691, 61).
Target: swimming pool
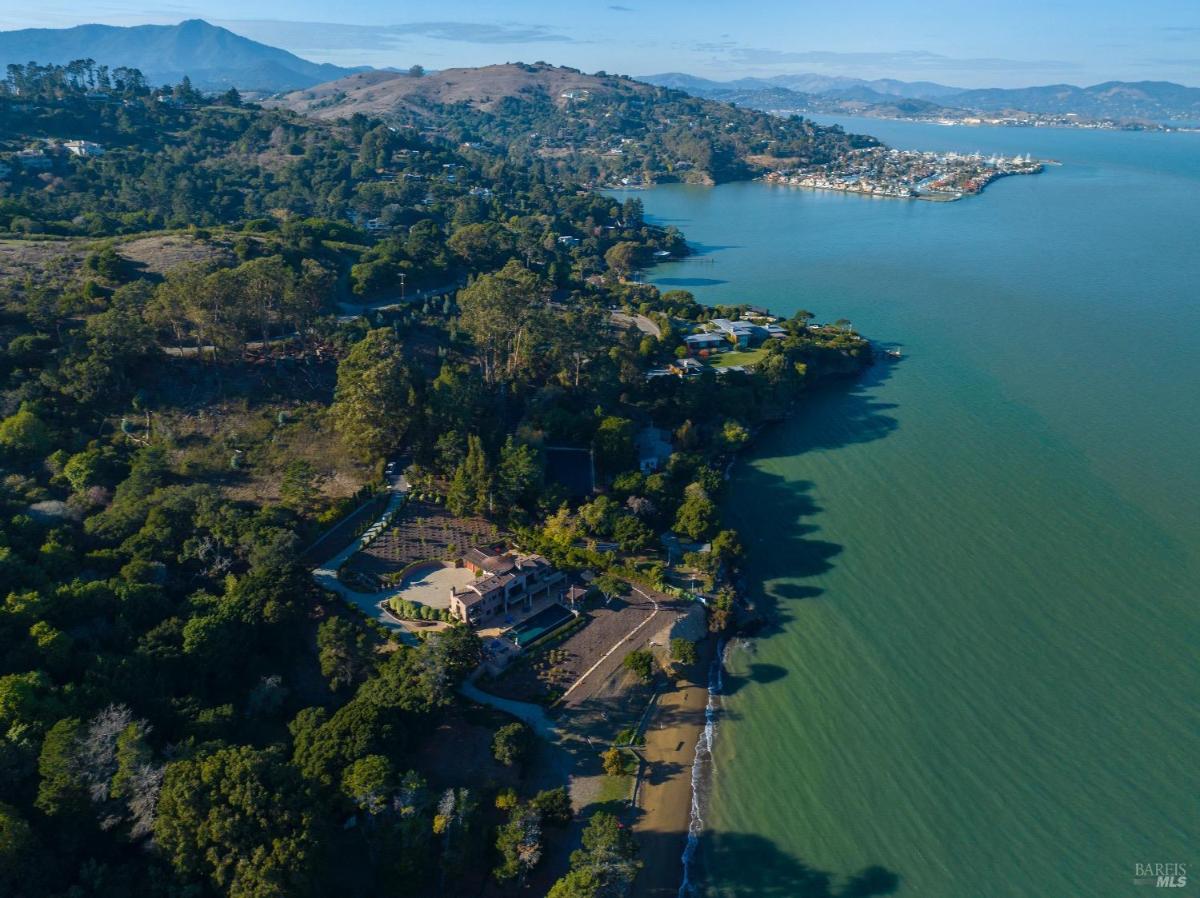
(545, 621)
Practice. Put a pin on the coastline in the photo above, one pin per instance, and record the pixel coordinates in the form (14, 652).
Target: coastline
(665, 799)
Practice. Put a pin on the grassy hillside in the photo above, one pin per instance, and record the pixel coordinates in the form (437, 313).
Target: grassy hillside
(595, 128)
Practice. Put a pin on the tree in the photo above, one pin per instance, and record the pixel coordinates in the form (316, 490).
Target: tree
(614, 444)
(610, 585)
(369, 782)
(24, 436)
(18, 848)
(505, 313)
(698, 516)
(519, 475)
(376, 403)
(683, 650)
(606, 864)
(623, 257)
(555, 806)
(510, 745)
(727, 547)
(471, 487)
(342, 652)
(238, 817)
(631, 534)
(519, 842)
(733, 436)
(298, 489)
(641, 662)
(61, 791)
(613, 761)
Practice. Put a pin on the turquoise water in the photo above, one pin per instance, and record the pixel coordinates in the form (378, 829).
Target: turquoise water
(980, 563)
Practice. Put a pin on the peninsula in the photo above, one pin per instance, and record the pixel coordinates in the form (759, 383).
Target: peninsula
(908, 174)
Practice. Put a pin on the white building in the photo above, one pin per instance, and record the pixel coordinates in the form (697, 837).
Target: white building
(85, 148)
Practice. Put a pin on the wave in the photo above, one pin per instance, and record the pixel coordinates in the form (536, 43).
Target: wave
(702, 768)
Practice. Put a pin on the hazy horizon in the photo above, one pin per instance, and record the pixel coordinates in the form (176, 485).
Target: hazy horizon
(1074, 42)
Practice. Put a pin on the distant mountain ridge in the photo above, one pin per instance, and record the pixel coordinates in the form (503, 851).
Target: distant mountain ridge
(1119, 100)
(214, 58)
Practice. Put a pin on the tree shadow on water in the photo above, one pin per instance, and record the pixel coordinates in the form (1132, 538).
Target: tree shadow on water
(755, 673)
(777, 515)
(751, 866)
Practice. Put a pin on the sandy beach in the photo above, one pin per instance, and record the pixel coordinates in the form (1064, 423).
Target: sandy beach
(665, 796)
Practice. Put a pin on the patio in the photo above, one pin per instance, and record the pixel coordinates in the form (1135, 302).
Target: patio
(431, 584)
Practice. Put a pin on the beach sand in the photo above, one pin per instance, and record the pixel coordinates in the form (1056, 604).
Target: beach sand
(665, 795)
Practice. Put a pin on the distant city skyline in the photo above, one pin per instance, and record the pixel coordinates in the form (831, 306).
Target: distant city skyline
(949, 42)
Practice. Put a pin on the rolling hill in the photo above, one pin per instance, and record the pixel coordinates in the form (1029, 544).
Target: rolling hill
(594, 128)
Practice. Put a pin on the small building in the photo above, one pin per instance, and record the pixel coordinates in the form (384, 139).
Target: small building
(653, 448)
(686, 367)
(575, 594)
(35, 160)
(568, 240)
(85, 148)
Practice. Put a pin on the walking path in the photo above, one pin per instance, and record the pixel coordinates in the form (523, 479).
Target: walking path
(533, 715)
(641, 322)
(369, 603)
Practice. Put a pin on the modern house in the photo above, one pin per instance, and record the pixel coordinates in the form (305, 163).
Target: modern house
(742, 333)
(85, 148)
(507, 580)
(708, 340)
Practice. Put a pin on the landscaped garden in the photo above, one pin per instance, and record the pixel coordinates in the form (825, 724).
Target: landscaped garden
(424, 531)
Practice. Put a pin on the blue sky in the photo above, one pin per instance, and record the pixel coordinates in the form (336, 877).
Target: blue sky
(972, 44)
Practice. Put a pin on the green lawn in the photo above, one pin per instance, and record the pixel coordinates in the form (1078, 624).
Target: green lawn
(725, 359)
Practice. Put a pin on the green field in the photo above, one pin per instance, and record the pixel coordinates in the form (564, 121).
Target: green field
(749, 357)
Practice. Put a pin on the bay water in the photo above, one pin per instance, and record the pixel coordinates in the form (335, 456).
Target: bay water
(980, 677)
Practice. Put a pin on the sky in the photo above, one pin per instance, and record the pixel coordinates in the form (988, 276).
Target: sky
(968, 44)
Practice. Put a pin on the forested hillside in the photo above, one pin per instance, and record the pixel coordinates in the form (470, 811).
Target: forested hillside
(205, 362)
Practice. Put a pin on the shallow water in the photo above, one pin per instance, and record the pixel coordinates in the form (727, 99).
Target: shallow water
(981, 562)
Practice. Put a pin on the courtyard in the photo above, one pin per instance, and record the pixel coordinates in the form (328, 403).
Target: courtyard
(431, 584)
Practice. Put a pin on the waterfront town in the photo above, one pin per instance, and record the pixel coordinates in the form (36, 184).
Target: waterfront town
(908, 174)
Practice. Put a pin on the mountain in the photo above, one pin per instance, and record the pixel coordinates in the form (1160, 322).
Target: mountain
(817, 85)
(1158, 101)
(213, 57)
(1152, 100)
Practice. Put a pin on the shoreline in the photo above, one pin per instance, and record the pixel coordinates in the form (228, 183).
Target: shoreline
(666, 801)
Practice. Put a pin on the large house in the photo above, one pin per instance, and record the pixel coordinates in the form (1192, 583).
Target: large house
(507, 580)
(742, 333)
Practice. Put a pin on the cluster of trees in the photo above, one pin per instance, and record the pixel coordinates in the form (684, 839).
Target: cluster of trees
(181, 712)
